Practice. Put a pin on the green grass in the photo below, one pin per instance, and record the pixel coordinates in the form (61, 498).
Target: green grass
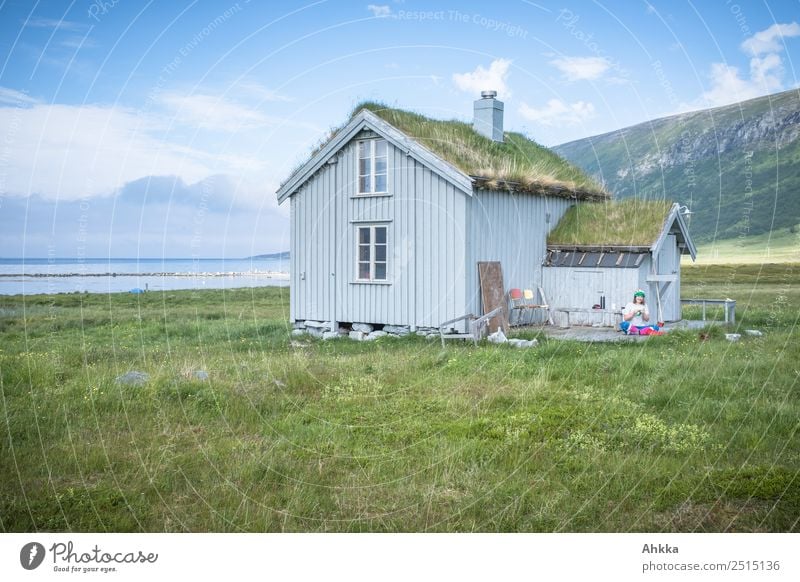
(672, 434)
(779, 246)
(518, 163)
(628, 222)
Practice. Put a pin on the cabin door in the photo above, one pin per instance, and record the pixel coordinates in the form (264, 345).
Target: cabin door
(669, 264)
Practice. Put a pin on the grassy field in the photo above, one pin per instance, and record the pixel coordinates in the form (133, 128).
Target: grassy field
(673, 434)
(779, 246)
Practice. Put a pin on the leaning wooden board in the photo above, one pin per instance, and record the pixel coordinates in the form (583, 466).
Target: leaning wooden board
(493, 295)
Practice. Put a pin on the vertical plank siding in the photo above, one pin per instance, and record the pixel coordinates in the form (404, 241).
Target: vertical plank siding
(582, 287)
(668, 260)
(425, 216)
(511, 228)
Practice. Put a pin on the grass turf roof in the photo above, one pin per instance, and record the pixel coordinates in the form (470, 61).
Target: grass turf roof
(517, 164)
(627, 222)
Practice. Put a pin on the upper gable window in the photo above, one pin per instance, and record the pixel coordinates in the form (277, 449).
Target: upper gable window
(372, 166)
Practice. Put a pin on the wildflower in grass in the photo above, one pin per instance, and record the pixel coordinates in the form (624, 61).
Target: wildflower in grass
(650, 430)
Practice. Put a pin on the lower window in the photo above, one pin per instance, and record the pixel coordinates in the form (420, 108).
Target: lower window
(371, 247)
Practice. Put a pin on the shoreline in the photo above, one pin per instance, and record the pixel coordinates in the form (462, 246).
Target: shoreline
(265, 274)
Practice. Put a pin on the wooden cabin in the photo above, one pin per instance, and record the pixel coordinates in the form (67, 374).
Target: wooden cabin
(390, 217)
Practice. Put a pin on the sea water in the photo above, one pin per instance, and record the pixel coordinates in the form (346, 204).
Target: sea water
(56, 275)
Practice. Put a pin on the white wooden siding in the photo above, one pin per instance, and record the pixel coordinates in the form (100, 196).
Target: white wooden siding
(511, 228)
(583, 286)
(669, 263)
(426, 217)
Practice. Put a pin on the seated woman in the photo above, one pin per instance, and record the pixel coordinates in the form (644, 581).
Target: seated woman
(635, 316)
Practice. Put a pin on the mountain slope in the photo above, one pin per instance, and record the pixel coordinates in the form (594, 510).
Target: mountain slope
(737, 167)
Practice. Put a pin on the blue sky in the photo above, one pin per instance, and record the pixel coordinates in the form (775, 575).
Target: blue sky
(164, 129)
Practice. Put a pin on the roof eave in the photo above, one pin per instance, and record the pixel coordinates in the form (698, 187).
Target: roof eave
(588, 248)
(673, 216)
(547, 190)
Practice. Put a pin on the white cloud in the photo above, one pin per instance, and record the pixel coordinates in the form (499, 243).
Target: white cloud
(582, 68)
(212, 112)
(727, 86)
(380, 10)
(78, 42)
(771, 39)
(556, 112)
(69, 152)
(767, 72)
(14, 97)
(493, 78)
(766, 69)
(55, 24)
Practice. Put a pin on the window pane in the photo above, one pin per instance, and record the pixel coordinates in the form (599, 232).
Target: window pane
(380, 148)
(380, 183)
(380, 234)
(364, 184)
(380, 165)
(363, 253)
(363, 149)
(380, 253)
(363, 235)
(380, 271)
(363, 270)
(364, 167)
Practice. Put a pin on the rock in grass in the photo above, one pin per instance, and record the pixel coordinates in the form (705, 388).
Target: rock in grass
(753, 332)
(329, 335)
(357, 336)
(733, 337)
(299, 332)
(497, 337)
(132, 378)
(362, 327)
(376, 334)
(397, 329)
(521, 343)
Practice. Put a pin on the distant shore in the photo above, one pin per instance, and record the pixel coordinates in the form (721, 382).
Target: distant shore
(266, 274)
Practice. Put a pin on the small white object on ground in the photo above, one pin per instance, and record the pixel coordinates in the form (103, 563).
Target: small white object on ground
(733, 337)
(753, 332)
(133, 378)
(497, 337)
(521, 343)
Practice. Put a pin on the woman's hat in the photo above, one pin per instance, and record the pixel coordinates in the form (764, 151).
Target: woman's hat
(639, 293)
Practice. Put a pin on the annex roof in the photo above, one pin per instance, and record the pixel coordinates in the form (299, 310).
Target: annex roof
(627, 225)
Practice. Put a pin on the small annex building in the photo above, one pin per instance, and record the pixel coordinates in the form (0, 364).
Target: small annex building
(599, 254)
(391, 215)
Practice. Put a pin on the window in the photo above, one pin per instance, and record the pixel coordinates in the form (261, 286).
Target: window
(371, 247)
(372, 166)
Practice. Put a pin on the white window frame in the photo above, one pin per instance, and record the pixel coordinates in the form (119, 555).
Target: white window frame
(371, 145)
(372, 254)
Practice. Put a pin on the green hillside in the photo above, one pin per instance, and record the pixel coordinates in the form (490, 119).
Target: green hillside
(737, 167)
